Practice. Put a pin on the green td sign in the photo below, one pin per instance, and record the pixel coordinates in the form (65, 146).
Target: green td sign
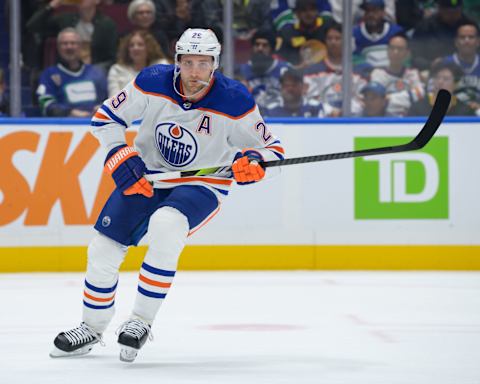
(406, 185)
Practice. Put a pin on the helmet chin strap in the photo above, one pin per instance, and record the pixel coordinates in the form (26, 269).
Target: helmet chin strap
(205, 83)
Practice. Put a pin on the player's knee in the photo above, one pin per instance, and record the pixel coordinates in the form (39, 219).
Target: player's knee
(168, 219)
(167, 233)
(104, 256)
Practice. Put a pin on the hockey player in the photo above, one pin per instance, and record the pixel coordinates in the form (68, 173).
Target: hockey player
(193, 117)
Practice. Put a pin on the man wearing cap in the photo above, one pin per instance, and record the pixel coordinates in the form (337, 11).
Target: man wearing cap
(372, 35)
(434, 37)
(293, 102)
(375, 100)
(309, 26)
(261, 74)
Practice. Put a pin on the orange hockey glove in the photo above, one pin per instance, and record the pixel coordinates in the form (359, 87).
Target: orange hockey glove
(246, 168)
(127, 170)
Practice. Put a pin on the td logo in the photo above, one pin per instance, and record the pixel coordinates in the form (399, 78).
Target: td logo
(406, 185)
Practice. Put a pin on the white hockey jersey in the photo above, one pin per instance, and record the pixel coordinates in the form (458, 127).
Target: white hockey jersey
(178, 135)
(403, 89)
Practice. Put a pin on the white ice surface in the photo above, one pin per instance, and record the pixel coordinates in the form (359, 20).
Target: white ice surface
(257, 327)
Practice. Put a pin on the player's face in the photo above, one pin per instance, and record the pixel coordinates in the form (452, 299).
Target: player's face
(144, 16)
(195, 70)
(467, 41)
(137, 49)
(397, 50)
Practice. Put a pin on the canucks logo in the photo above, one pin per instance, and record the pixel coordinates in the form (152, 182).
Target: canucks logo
(176, 145)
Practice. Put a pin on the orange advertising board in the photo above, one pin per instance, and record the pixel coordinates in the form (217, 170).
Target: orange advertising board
(61, 156)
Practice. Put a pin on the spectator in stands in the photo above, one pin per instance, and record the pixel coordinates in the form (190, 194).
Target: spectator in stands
(403, 84)
(71, 88)
(98, 32)
(137, 50)
(3, 99)
(409, 13)
(281, 12)
(310, 26)
(250, 17)
(293, 102)
(472, 9)
(467, 59)
(357, 12)
(141, 14)
(175, 16)
(261, 74)
(434, 37)
(324, 80)
(375, 100)
(372, 35)
(444, 76)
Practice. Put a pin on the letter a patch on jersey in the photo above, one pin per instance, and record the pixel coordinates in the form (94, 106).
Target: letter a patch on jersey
(204, 126)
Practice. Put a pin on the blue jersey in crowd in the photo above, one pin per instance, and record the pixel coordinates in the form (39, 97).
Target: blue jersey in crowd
(468, 88)
(373, 46)
(60, 90)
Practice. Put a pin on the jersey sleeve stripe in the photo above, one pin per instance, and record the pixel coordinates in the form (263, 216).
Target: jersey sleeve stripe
(100, 116)
(276, 148)
(98, 123)
(113, 116)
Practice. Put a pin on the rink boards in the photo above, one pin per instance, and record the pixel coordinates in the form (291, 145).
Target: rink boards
(415, 210)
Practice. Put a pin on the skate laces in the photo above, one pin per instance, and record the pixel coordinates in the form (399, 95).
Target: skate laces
(83, 334)
(136, 328)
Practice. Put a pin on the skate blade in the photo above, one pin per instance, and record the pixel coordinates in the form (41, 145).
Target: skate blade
(55, 353)
(128, 354)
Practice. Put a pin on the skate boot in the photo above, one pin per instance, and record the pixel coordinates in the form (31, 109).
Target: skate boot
(76, 342)
(131, 336)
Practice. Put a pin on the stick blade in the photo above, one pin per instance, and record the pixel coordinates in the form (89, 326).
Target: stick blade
(439, 110)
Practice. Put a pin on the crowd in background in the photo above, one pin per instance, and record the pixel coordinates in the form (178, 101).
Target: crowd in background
(76, 53)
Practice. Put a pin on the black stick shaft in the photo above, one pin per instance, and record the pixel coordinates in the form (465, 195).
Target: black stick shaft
(433, 122)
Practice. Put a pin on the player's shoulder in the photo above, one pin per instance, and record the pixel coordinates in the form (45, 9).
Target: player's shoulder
(156, 78)
(230, 97)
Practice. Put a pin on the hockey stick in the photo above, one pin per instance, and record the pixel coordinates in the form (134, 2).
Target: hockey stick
(433, 122)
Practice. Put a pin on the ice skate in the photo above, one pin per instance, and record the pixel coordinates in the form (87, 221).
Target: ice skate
(75, 342)
(131, 336)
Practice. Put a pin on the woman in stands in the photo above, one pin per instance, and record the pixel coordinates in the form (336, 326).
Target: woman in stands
(137, 50)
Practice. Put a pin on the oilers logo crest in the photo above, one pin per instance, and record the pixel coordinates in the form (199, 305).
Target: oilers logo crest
(177, 145)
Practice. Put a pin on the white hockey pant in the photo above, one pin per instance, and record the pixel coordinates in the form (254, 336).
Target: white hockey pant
(167, 234)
